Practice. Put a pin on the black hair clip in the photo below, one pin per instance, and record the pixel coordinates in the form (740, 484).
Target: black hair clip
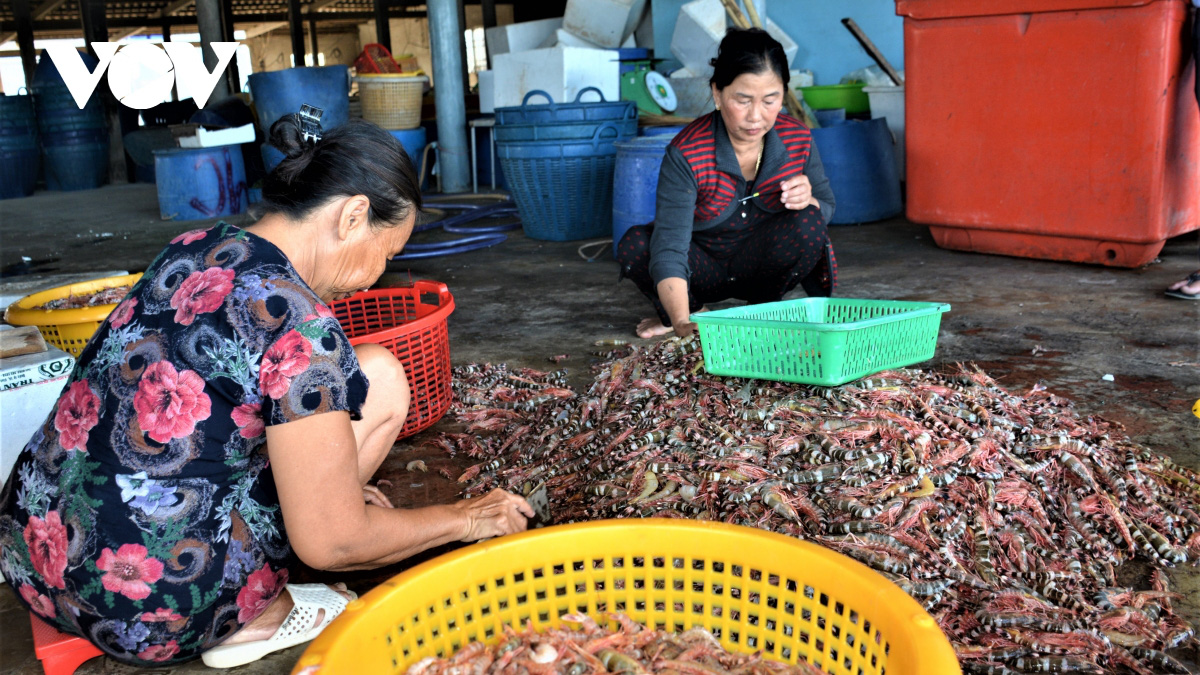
(309, 119)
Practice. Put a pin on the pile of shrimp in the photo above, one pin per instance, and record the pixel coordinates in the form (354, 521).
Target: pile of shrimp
(1005, 515)
(630, 648)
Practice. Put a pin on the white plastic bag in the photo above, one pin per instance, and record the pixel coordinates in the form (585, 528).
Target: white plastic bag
(872, 76)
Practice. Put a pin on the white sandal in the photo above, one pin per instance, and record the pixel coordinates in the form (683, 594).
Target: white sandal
(300, 626)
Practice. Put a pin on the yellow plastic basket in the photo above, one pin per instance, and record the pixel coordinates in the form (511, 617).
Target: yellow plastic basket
(67, 329)
(393, 101)
(755, 590)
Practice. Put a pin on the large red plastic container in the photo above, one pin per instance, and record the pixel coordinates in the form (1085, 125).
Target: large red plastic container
(1058, 129)
(410, 321)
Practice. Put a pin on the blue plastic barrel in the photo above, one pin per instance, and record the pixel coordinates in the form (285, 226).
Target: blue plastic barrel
(635, 182)
(74, 140)
(857, 156)
(669, 131)
(282, 92)
(197, 183)
(75, 166)
(19, 154)
(413, 141)
(272, 156)
(827, 117)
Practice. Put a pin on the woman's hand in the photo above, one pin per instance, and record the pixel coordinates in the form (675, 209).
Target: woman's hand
(372, 495)
(797, 193)
(684, 328)
(495, 514)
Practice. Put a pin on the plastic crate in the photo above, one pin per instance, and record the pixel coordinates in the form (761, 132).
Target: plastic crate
(410, 321)
(579, 111)
(67, 329)
(824, 341)
(1094, 158)
(391, 101)
(563, 189)
(754, 590)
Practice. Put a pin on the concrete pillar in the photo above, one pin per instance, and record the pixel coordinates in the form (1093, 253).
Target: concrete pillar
(209, 19)
(446, 49)
(23, 15)
(296, 29)
(95, 29)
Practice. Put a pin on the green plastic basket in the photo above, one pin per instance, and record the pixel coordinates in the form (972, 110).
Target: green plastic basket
(825, 341)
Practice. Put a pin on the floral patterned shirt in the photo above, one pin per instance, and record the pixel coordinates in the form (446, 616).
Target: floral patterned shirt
(143, 514)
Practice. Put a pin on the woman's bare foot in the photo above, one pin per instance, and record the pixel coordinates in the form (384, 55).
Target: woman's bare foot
(649, 328)
(1189, 286)
(264, 625)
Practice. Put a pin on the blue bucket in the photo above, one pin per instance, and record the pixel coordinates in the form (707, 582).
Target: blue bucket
(282, 92)
(76, 166)
(198, 183)
(635, 182)
(272, 156)
(827, 117)
(862, 170)
(413, 141)
(669, 131)
(563, 189)
(16, 112)
(75, 137)
(18, 169)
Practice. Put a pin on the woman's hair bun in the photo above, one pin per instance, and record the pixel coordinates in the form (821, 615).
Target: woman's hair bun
(287, 137)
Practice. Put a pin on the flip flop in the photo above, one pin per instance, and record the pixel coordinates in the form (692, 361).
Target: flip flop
(1179, 294)
(300, 626)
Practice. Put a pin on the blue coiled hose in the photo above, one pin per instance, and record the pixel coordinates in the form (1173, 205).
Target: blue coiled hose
(482, 236)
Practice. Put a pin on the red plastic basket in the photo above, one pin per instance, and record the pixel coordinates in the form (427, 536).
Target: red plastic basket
(409, 321)
(375, 59)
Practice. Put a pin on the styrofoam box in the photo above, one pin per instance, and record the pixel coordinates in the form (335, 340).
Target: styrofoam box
(561, 72)
(693, 93)
(519, 37)
(889, 102)
(487, 91)
(698, 33)
(603, 22)
(29, 388)
(565, 38)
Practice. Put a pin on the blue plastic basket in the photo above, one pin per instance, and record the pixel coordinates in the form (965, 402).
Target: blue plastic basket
(554, 113)
(563, 189)
(562, 131)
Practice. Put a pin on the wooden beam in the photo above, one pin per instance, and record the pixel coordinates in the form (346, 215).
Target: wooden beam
(38, 14)
(170, 9)
(296, 29)
(261, 28)
(383, 29)
(318, 5)
(128, 32)
(64, 25)
(24, 18)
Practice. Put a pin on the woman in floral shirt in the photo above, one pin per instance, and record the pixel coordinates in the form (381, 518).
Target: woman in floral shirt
(156, 511)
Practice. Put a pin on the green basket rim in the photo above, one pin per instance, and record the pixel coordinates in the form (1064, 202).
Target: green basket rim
(732, 316)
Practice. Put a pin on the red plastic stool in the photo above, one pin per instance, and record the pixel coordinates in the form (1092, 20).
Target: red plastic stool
(59, 653)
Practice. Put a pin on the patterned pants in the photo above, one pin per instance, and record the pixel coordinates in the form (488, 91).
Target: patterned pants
(757, 258)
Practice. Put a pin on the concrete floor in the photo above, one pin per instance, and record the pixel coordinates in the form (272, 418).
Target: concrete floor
(1024, 321)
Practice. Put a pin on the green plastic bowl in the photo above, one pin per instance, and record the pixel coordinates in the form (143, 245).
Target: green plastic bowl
(848, 96)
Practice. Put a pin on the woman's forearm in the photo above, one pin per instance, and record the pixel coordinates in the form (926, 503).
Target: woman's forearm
(673, 294)
(391, 535)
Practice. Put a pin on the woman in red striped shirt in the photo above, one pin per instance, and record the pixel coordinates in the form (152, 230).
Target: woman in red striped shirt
(742, 199)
